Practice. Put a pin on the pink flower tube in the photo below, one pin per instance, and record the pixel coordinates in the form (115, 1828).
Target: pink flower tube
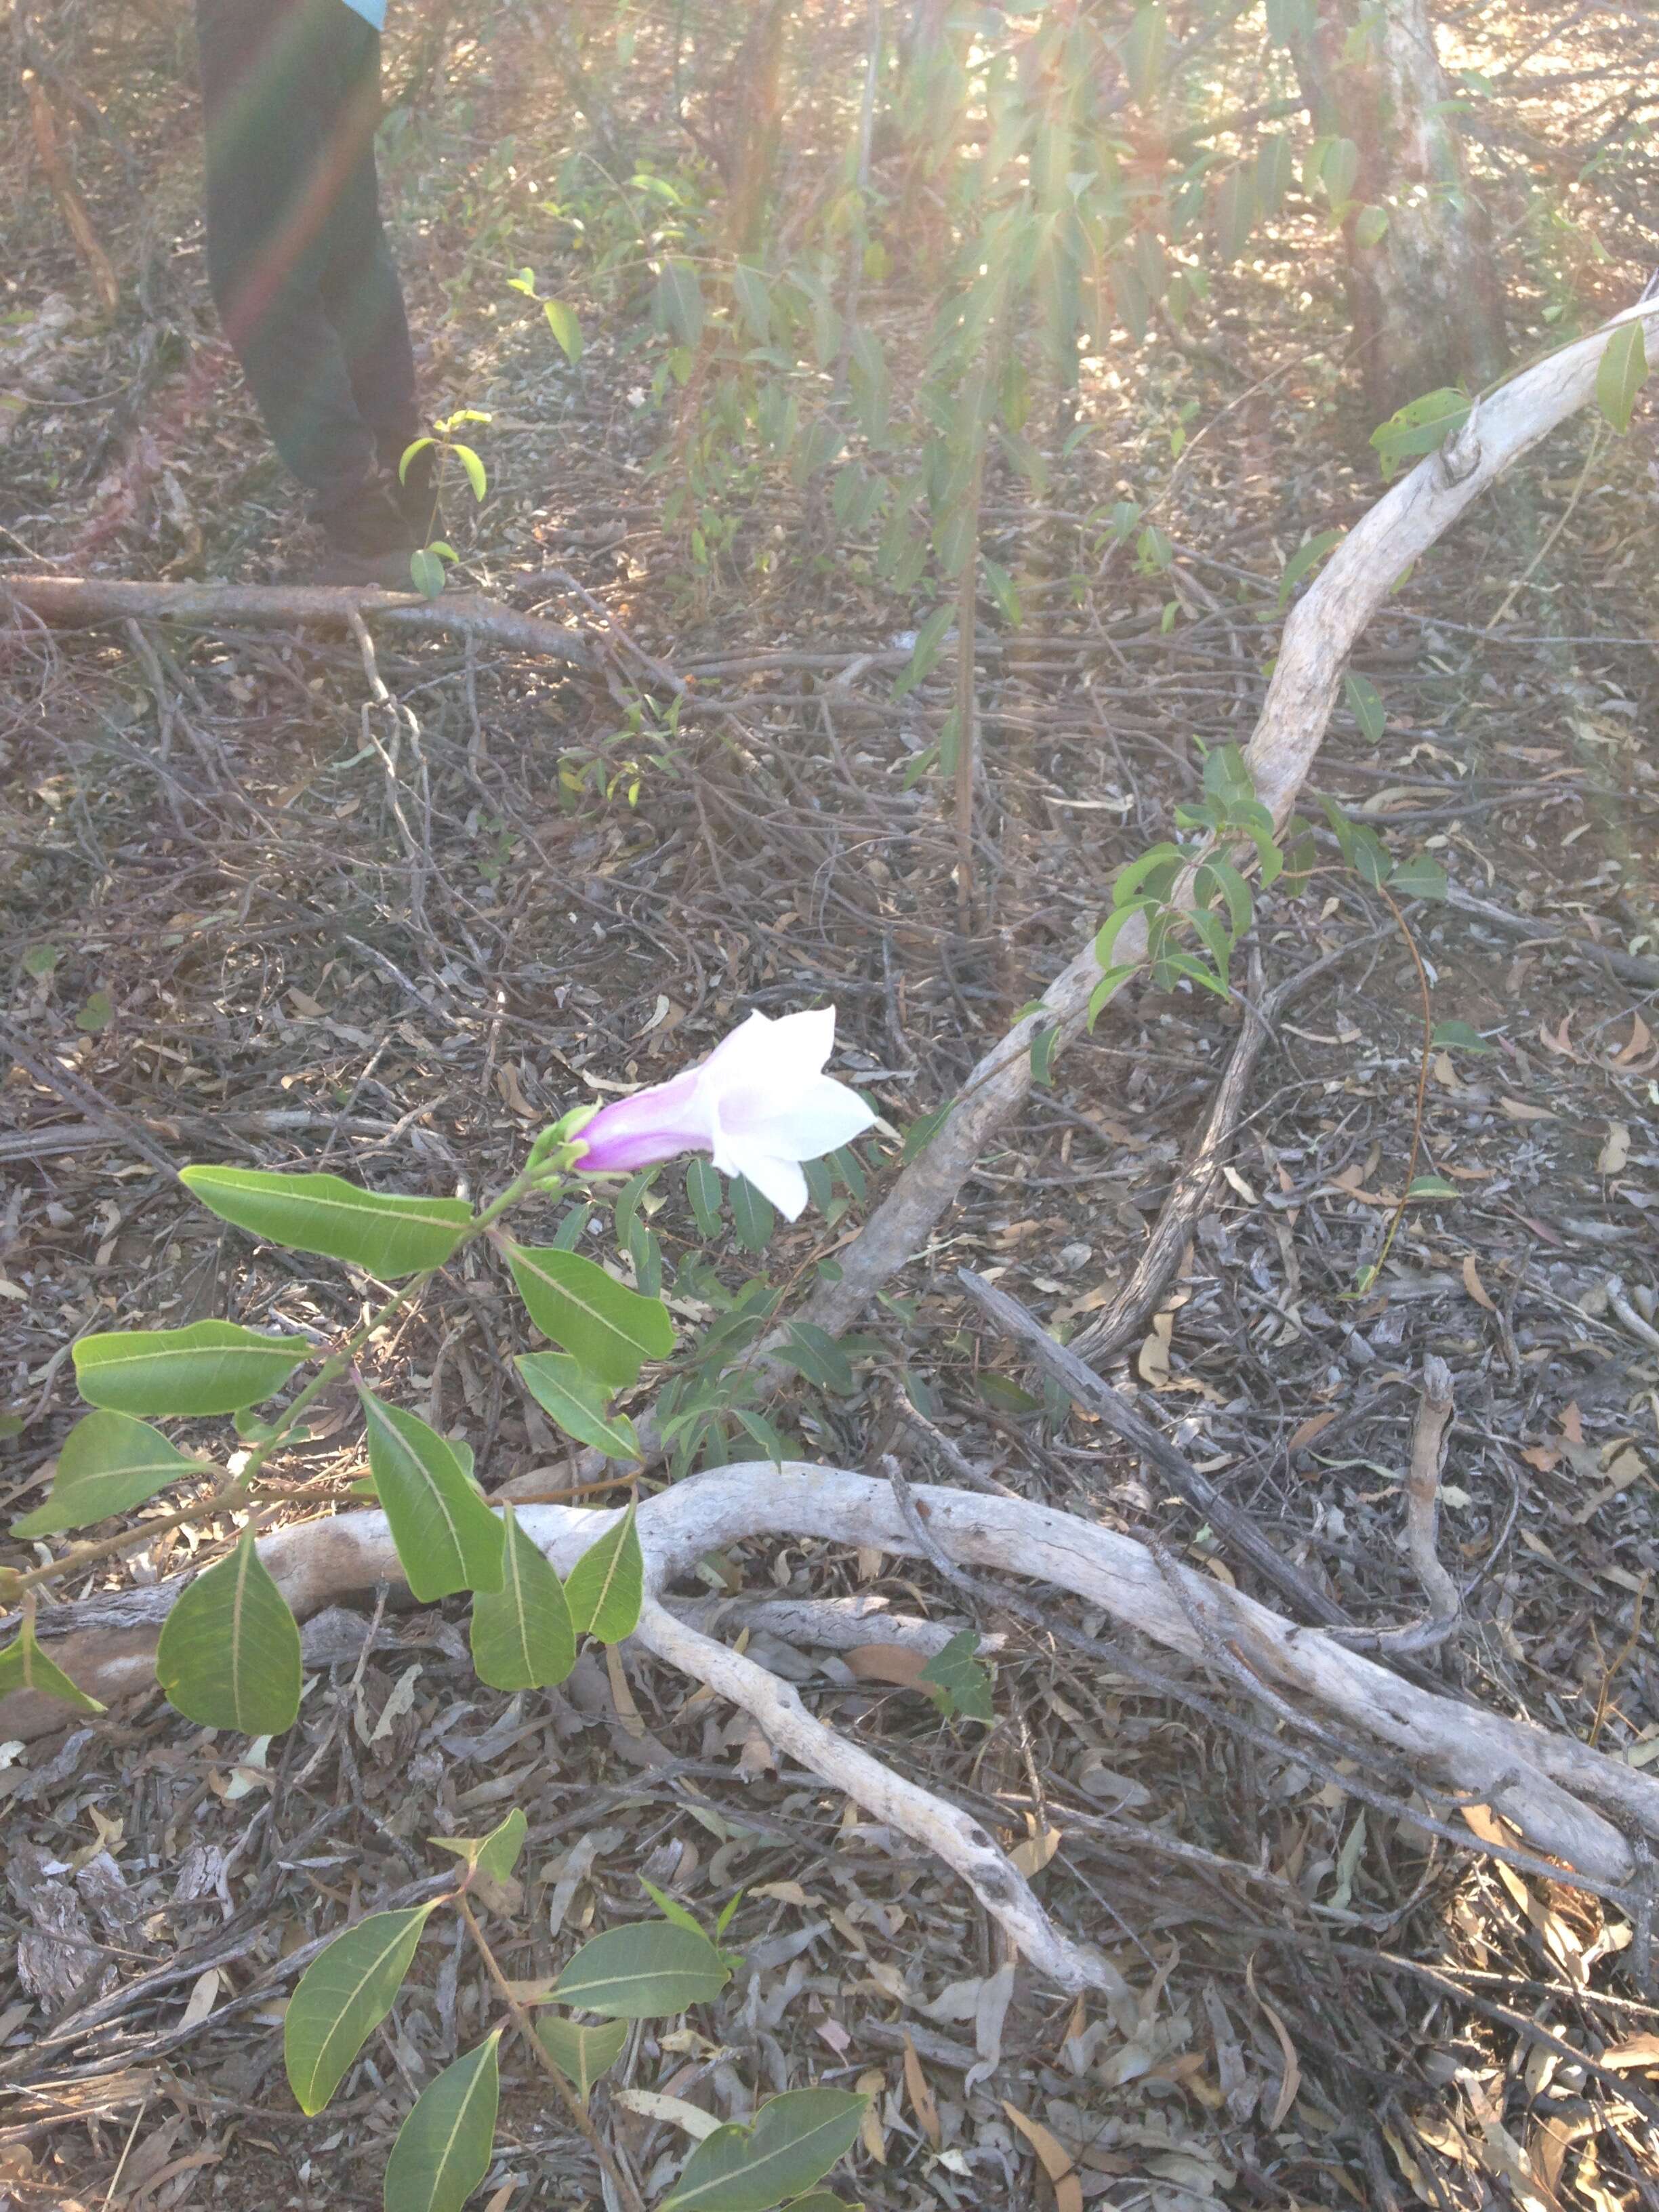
(759, 1105)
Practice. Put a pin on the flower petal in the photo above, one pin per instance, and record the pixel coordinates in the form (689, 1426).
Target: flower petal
(651, 1125)
(823, 1117)
(780, 1180)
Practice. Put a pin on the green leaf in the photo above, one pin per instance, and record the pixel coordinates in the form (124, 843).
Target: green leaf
(813, 1352)
(606, 1586)
(1105, 991)
(752, 1216)
(419, 444)
(25, 1666)
(344, 1996)
(704, 1190)
(475, 470)
(494, 1856)
(446, 1537)
(387, 1237)
(1044, 1045)
(1621, 374)
(109, 1463)
(610, 1329)
(677, 307)
(1143, 52)
(97, 1014)
(753, 300)
(1431, 1186)
(649, 1970)
(443, 2148)
(1370, 226)
(425, 572)
(1339, 173)
(581, 2054)
(1366, 707)
(759, 1430)
(795, 2140)
(1156, 868)
(41, 959)
(1306, 559)
(562, 321)
(1419, 877)
(1420, 427)
(211, 1367)
(522, 1635)
(563, 1387)
(921, 1130)
(962, 1683)
(1235, 891)
(229, 1653)
(1459, 1036)
(925, 653)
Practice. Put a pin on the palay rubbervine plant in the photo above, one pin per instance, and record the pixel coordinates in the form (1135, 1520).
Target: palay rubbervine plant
(230, 1657)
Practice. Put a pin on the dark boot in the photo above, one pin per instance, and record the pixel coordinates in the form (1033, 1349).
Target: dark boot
(369, 542)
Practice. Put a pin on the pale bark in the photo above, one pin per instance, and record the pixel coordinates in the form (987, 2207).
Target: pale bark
(1570, 1801)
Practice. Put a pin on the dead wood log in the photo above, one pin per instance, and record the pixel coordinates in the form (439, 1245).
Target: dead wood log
(77, 602)
(1591, 1812)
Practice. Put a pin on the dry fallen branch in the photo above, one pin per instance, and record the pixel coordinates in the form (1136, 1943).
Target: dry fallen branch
(1591, 1812)
(1321, 633)
(1124, 1322)
(76, 602)
(54, 164)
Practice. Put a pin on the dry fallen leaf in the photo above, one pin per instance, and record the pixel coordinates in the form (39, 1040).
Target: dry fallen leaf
(1304, 1432)
(1639, 2052)
(1054, 2157)
(1614, 1156)
(1153, 1362)
(921, 2097)
(1518, 1110)
(1292, 2080)
(885, 1662)
(1475, 1286)
(1035, 1853)
(873, 2085)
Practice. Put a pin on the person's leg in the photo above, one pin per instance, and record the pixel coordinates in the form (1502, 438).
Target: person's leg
(279, 152)
(358, 281)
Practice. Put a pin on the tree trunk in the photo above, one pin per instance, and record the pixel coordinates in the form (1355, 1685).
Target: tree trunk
(1425, 298)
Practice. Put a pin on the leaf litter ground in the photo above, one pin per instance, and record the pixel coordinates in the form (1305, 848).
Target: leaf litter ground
(250, 916)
